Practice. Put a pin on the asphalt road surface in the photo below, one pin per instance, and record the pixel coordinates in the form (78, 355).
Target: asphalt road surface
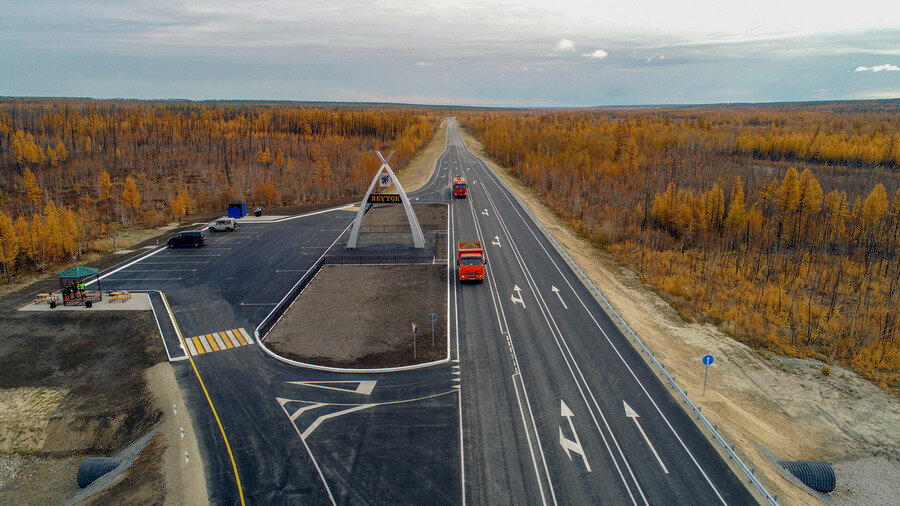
(542, 400)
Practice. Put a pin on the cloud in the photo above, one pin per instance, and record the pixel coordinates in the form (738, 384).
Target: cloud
(878, 68)
(597, 55)
(425, 63)
(657, 58)
(564, 45)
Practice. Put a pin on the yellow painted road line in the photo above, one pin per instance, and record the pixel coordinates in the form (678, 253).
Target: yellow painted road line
(237, 477)
(212, 342)
(233, 339)
(224, 339)
(200, 348)
(240, 338)
(246, 337)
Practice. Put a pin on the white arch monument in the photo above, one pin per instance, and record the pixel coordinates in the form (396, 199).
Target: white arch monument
(418, 237)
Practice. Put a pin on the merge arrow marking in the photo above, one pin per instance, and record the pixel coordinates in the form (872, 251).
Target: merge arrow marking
(484, 212)
(496, 241)
(519, 298)
(556, 291)
(631, 413)
(568, 445)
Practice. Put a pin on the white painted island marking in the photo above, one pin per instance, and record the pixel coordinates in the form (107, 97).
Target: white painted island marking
(568, 445)
(630, 413)
(556, 291)
(518, 299)
(362, 387)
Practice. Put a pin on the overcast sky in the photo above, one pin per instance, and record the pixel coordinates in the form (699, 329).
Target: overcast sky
(484, 52)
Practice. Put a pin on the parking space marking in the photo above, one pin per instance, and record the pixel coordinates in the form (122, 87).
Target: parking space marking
(145, 279)
(218, 341)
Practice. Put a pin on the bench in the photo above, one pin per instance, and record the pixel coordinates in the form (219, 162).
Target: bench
(119, 296)
(44, 298)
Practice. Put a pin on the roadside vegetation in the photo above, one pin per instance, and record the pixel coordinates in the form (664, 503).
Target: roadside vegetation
(77, 170)
(780, 223)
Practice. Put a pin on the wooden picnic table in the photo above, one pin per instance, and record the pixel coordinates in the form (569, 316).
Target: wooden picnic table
(45, 297)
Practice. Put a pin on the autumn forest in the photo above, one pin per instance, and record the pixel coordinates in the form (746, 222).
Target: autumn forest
(781, 224)
(778, 223)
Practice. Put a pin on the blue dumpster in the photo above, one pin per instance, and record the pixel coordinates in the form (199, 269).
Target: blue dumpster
(237, 210)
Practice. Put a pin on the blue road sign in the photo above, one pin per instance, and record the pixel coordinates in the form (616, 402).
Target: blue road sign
(707, 359)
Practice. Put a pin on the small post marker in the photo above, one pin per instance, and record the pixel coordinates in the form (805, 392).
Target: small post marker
(432, 317)
(174, 409)
(182, 433)
(415, 330)
(707, 361)
(186, 459)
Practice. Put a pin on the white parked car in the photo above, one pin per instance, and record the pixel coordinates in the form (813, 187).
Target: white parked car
(223, 225)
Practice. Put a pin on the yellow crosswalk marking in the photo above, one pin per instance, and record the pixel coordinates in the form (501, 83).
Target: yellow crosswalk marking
(225, 340)
(212, 342)
(200, 349)
(237, 334)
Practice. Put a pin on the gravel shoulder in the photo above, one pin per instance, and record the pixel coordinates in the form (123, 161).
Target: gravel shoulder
(785, 404)
(417, 171)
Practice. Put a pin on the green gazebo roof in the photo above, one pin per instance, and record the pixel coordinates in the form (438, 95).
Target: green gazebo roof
(77, 272)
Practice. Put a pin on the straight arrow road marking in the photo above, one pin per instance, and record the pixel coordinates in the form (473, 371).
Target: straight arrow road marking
(518, 300)
(362, 387)
(484, 212)
(556, 291)
(630, 413)
(496, 241)
(568, 445)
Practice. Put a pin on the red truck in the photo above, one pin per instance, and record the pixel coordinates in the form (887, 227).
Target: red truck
(470, 262)
(460, 188)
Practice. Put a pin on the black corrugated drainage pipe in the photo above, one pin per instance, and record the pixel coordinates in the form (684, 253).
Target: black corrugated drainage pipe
(818, 476)
(95, 467)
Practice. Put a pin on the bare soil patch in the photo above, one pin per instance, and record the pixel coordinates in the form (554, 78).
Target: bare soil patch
(393, 217)
(786, 404)
(75, 383)
(360, 316)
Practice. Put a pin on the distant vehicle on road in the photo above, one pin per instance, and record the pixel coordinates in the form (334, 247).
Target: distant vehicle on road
(193, 238)
(470, 262)
(223, 225)
(460, 187)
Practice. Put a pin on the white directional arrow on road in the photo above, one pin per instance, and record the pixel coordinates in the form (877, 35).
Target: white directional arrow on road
(518, 299)
(484, 212)
(630, 413)
(568, 445)
(496, 241)
(353, 387)
(556, 291)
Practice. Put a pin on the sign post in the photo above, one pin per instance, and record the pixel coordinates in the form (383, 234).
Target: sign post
(432, 317)
(415, 330)
(707, 361)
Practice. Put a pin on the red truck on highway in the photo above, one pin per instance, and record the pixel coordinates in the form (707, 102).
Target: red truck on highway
(470, 262)
(460, 188)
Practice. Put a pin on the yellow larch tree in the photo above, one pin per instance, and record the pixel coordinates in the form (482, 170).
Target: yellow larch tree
(9, 244)
(32, 189)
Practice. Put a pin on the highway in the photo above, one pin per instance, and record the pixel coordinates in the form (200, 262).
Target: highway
(542, 399)
(557, 407)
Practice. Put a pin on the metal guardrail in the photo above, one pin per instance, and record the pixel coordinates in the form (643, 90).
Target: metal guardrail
(730, 449)
(272, 318)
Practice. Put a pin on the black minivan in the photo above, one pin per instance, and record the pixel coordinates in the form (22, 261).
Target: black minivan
(194, 238)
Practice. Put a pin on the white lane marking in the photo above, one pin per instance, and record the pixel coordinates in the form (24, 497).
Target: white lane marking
(568, 445)
(206, 347)
(308, 451)
(502, 322)
(517, 300)
(362, 387)
(129, 264)
(309, 430)
(631, 413)
(496, 241)
(563, 346)
(506, 193)
(143, 279)
(556, 291)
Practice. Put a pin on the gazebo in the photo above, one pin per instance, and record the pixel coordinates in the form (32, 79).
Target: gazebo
(75, 276)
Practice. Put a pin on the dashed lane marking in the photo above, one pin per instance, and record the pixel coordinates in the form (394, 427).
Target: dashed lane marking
(218, 341)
